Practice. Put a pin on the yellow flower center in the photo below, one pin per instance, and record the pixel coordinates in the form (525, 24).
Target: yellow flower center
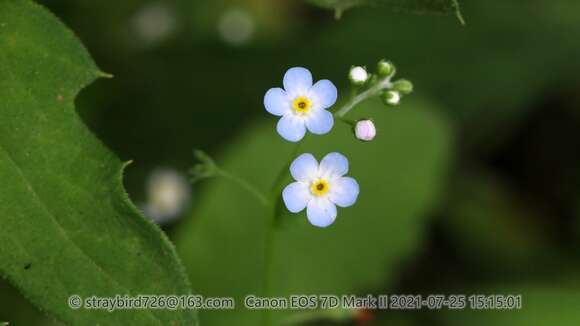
(319, 187)
(301, 105)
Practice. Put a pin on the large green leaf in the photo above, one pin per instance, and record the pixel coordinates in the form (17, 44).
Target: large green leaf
(66, 224)
(400, 174)
(414, 6)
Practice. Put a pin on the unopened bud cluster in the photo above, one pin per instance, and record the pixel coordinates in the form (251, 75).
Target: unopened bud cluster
(379, 84)
(394, 92)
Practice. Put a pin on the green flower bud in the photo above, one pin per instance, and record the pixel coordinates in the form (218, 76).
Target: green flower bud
(385, 68)
(391, 98)
(403, 86)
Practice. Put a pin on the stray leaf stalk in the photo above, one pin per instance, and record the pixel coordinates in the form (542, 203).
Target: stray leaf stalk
(207, 168)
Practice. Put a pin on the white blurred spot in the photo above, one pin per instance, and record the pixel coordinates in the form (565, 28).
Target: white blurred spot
(236, 27)
(154, 22)
(168, 195)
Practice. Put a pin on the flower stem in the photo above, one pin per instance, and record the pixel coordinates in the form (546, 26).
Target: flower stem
(269, 229)
(374, 90)
(268, 251)
(207, 168)
(246, 185)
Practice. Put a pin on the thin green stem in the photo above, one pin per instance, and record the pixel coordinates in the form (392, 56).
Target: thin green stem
(207, 168)
(356, 100)
(268, 251)
(349, 122)
(269, 229)
(284, 171)
(246, 185)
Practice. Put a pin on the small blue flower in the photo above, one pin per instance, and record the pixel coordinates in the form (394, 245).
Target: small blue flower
(301, 105)
(319, 188)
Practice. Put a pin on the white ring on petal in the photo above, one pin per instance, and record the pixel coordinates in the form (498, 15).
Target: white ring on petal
(320, 122)
(291, 127)
(304, 168)
(276, 101)
(333, 165)
(321, 212)
(325, 93)
(297, 81)
(296, 196)
(344, 191)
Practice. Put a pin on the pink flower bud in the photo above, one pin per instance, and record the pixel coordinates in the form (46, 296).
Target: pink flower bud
(365, 130)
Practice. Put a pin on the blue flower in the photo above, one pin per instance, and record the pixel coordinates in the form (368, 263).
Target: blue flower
(319, 188)
(301, 105)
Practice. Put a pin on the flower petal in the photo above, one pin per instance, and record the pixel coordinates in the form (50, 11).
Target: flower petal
(296, 196)
(297, 81)
(304, 167)
(321, 212)
(344, 191)
(325, 93)
(334, 165)
(291, 128)
(320, 121)
(276, 101)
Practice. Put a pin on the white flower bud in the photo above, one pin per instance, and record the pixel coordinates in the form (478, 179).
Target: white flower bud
(358, 75)
(365, 130)
(391, 97)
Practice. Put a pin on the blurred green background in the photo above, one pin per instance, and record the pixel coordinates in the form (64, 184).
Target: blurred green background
(472, 186)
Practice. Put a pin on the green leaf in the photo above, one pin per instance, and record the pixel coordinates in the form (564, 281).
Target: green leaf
(67, 225)
(413, 6)
(400, 174)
